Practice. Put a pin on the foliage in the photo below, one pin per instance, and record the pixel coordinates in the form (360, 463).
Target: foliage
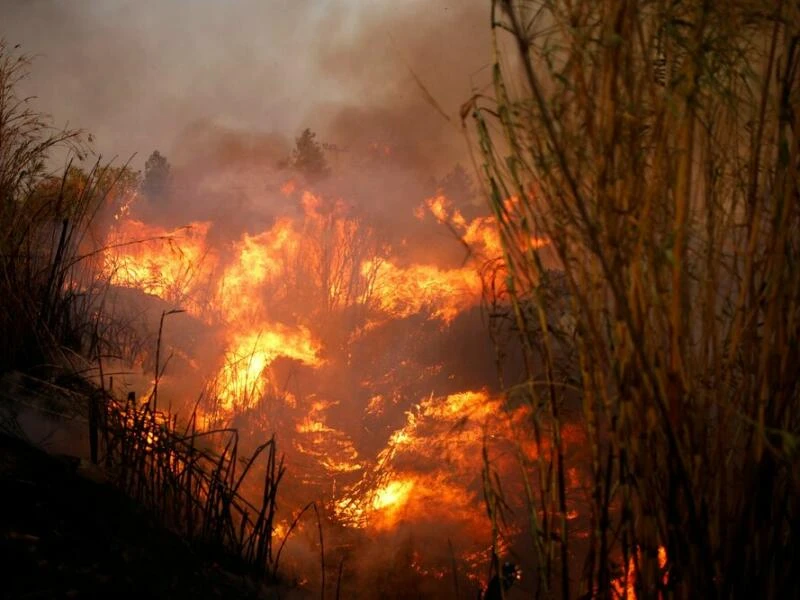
(52, 297)
(308, 157)
(196, 491)
(155, 184)
(655, 146)
(26, 140)
(48, 231)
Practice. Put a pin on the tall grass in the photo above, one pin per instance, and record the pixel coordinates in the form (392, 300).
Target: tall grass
(193, 481)
(655, 146)
(54, 323)
(49, 290)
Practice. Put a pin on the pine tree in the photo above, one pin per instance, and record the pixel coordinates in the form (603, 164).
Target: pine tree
(308, 157)
(156, 176)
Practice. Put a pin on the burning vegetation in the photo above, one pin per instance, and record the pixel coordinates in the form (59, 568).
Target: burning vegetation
(336, 372)
(323, 333)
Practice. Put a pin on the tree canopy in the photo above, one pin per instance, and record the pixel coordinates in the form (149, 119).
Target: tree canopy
(156, 176)
(308, 157)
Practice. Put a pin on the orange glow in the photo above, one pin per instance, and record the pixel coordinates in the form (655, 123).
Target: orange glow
(481, 234)
(444, 435)
(258, 260)
(406, 291)
(625, 587)
(309, 287)
(170, 264)
(243, 378)
(392, 495)
(288, 188)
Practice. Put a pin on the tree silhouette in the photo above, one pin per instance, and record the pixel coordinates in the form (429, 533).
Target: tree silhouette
(308, 157)
(156, 176)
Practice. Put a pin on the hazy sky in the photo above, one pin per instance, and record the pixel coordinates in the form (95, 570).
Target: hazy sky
(136, 73)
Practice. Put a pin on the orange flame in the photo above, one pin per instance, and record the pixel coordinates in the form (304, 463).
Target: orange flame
(625, 586)
(406, 291)
(243, 378)
(275, 294)
(482, 234)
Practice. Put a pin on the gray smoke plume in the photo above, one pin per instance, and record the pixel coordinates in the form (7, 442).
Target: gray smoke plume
(136, 74)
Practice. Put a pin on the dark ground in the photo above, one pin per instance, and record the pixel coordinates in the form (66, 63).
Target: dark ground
(64, 535)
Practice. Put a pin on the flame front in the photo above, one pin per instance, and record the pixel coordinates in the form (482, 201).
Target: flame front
(303, 298)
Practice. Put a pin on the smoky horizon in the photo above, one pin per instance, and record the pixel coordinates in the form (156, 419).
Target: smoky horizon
(140, 76)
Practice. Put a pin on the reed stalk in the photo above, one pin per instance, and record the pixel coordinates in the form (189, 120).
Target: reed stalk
(654, 147)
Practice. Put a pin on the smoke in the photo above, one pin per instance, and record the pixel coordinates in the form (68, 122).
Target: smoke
(138, 74)
(222, 89)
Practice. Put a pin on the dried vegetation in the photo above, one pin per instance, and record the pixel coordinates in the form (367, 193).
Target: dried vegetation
(655, 145)
(56, 330)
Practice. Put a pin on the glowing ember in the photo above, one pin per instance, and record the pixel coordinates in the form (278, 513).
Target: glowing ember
(625, 587)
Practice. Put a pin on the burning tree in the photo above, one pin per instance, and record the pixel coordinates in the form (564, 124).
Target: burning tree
(656, 146)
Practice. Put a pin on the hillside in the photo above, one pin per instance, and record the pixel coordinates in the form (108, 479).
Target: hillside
(65, 534)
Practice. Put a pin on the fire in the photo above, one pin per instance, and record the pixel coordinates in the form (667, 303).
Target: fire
(304, 291)
(481, 234)
(406, 291)
(170, 264)
(327, 255)
(393, 495)
(244, 374)
(439, 432)
(625, 587)
(258, 260)
(472, 403)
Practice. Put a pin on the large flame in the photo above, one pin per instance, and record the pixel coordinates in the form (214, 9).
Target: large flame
(288, 292)
(405, 291)
(243, 377)
(171, 264)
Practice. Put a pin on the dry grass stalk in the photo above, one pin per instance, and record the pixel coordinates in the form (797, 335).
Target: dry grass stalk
(655, 145)
(190, 486)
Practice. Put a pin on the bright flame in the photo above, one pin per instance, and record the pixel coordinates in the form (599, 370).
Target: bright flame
(279, 293)
(393, 495)
(482, 233)
(406, 291)
(243, 378)
(170, 264)
(625, 587)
